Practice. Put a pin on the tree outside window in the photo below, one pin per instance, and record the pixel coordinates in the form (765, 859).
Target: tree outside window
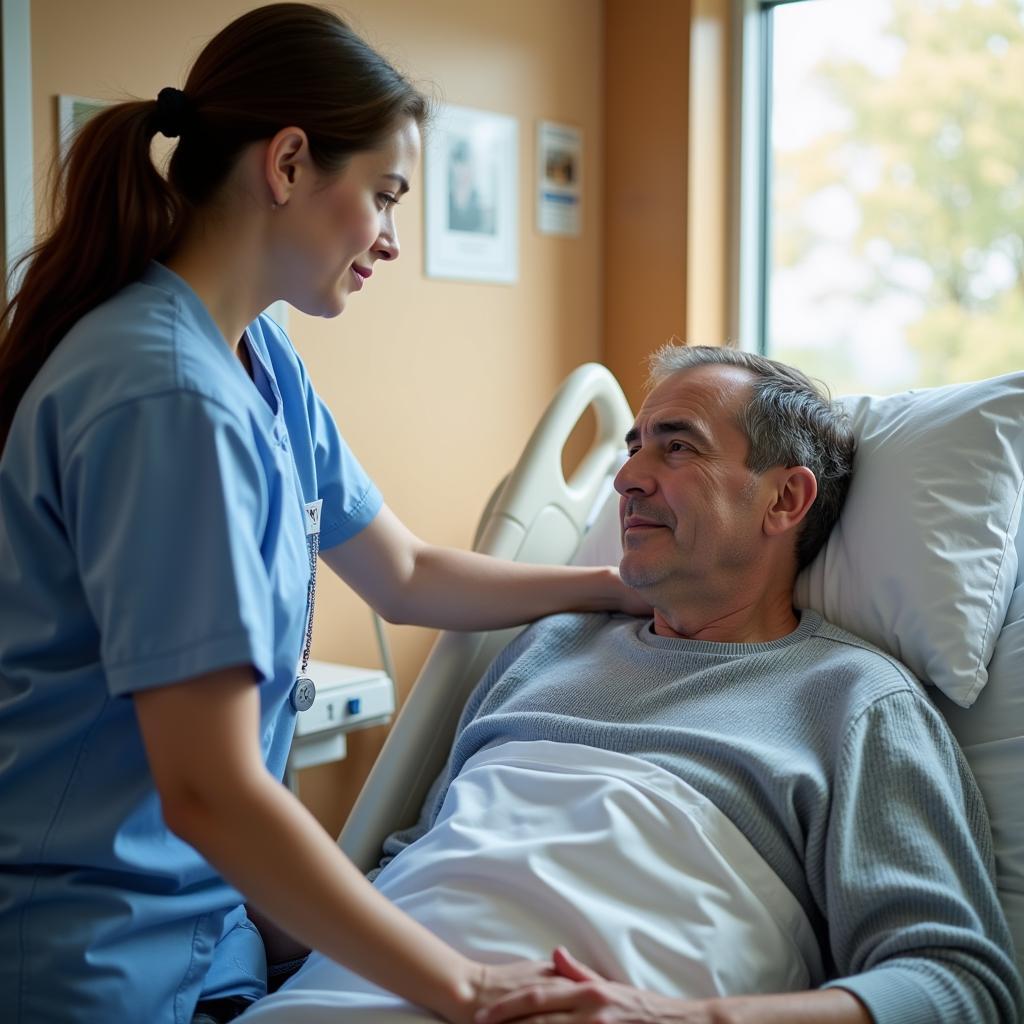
(897, 199)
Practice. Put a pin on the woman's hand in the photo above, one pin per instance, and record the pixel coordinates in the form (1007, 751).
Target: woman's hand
(500, 980)
(487, 984)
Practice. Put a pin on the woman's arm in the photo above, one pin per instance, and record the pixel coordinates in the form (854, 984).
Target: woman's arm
(201, 738)
(409, 581)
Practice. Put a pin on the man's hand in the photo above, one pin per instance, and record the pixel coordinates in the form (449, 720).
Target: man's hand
(581, 996)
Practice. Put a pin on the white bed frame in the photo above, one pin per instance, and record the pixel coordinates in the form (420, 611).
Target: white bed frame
(535, 515)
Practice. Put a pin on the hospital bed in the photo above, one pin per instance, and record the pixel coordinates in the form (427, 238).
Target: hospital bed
(925, 562)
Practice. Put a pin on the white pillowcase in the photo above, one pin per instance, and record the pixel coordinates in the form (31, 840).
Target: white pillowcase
(922, 562)
(992, 736)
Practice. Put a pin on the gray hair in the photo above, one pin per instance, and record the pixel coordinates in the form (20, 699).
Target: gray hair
(790, 420)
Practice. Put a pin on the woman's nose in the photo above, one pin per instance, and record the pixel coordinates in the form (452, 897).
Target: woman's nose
(386, 247)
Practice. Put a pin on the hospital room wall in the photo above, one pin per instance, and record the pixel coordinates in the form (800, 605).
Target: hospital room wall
(669, 179)
(646, 119)
(435, 384)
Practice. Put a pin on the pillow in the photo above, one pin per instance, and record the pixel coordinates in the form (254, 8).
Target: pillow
(992, 736)
(922, 562)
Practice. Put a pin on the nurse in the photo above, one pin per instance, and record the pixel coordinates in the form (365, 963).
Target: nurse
(168, 475)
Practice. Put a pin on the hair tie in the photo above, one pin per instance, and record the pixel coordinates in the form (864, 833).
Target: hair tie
(173, 112)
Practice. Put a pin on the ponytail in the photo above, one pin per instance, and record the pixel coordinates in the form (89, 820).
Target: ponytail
(280, 65)
(112, 212)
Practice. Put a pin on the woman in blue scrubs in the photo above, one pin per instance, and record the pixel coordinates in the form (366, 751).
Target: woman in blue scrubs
(168, 475)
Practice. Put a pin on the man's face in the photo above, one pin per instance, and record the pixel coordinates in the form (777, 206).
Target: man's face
(690, 511)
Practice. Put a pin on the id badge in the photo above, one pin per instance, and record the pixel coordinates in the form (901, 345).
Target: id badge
(313, 509)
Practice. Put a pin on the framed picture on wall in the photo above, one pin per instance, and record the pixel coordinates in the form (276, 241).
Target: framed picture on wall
(72, 113)
(471, 175)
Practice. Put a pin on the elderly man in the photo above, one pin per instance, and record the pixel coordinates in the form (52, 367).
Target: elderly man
(771, 727)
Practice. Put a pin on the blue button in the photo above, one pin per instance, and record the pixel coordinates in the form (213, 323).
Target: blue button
(303, 694)
(354, 705)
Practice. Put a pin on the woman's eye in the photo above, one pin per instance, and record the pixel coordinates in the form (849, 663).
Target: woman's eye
(387, 199)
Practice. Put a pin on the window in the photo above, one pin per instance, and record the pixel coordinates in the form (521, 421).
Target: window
(892, 239)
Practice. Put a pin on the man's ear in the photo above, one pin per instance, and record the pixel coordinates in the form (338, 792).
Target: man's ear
(286, 158)
(795, 492)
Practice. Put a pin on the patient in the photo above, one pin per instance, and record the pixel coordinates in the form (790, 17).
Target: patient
(734, 811)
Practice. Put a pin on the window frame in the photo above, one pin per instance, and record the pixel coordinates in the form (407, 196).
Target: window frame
(17, 192)
(752, 118)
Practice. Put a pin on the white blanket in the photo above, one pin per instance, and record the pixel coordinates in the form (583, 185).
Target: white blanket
(543, 844)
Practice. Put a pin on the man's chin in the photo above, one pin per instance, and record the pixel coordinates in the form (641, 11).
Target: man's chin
(640, 577)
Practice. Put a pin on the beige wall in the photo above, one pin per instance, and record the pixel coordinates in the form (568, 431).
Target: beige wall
(435, 384)
(710, 187)
(647, 55)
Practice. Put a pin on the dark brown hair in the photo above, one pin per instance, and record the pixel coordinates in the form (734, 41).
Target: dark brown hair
(113, 212)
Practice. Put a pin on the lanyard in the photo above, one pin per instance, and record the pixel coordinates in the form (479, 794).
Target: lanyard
(304, 692)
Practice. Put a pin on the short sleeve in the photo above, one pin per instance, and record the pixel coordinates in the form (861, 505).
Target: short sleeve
(328, 469)
(166, 500)
(351, 499)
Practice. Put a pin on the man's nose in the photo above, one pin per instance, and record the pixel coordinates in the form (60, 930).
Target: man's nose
(633, 476)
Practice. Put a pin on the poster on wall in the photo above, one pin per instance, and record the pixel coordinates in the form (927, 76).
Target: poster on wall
(471, 176)
(559, 163)
(72, 113)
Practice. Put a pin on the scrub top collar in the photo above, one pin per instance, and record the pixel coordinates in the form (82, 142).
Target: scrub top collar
(262, 376)
(160, 276)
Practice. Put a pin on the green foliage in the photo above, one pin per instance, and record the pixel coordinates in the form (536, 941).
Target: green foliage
(934, 156)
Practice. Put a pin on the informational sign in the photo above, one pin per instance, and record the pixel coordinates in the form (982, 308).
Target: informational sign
(559, 163)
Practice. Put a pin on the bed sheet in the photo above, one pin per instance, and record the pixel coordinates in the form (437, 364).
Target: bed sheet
(540, 844)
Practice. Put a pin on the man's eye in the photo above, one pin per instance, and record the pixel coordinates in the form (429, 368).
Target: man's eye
(630, 452)
(678, 446)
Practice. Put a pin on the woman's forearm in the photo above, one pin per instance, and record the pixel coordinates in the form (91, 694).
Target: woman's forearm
(453, 589)
(202, 742)
(408, 581)
(270, 847)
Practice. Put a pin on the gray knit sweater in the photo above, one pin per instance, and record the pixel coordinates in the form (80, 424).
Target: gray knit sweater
(827, 755)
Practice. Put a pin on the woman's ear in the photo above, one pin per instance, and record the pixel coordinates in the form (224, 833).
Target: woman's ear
(795, 492)
(286, 159)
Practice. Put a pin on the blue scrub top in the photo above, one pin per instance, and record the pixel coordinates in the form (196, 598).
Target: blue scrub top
(152, 506)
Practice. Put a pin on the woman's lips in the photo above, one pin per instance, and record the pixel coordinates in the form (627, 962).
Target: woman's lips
(359, 275)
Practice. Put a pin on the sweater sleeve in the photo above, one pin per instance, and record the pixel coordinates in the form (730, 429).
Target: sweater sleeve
(915, 926)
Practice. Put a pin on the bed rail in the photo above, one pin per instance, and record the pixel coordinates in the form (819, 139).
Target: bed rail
(535, 515)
